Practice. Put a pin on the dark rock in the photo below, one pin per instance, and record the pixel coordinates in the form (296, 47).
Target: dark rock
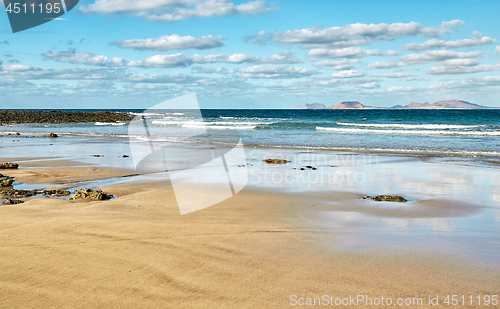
(9, 165)
(56, 193)
(308, 166)
(125, 156)
(18, 193)
(98, 155)
(53, 135)
(90, 195)
(276, 161)
(314, 168)
(387, 198)
(5, 181)
(302, 169)
(17, 133)
(9, 201)
(9, 116)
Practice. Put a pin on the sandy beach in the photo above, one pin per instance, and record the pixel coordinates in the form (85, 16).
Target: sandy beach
(265, 247)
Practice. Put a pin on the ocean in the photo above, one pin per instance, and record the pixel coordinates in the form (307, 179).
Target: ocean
(468, 132)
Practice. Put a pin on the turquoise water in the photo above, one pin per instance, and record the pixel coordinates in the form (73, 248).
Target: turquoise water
(456, 131)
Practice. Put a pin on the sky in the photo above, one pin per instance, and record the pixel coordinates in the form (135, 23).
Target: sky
(254, 54)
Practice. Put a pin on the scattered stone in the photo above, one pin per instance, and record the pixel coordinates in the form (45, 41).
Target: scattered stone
(56, 193)
(276, 161)
(308, 166)
(302, 169)
(125, 156)
(5, 181)
(314, 168)
(9, 201)
(98, 155)
(53, 135)
(387, 198)
(17, 133)
(9, 165)
(18, 193)
(90, 195)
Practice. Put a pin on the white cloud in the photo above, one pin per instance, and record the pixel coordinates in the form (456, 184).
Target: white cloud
(210, 70)
(497, 50)
(382, 65)
(275, 71)
(347, 74)
(85, 58)
(369, 85)
(459, 62)
(393, 75)
(438, 55)
(466, 69)
(452, 23)
(177, 10)
(174, 41)
(435, 44)
(348, 52)
(164, 61)
(351, 34)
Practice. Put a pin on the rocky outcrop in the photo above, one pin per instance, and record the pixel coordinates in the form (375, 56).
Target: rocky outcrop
(348, 105)
(9, 116)
(56, 193)
(387, 198)
(90, 194)
(6, 181)
(312, 106)
(18, 193)
(9, 201)
(276, 161)
(9, 165)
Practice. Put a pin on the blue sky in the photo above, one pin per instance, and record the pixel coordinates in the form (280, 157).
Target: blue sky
(254, 54)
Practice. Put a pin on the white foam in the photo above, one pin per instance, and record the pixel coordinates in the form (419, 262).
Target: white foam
(414, 132)
(409, 126)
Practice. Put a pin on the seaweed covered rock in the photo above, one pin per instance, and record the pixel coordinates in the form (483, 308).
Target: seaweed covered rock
(9, 201)
(276, 161)
(56, 193)
(387, 198)
(55, 116)
(9, 165)
(90, 194)
(18, 193)
(5, 181)
(53, 135)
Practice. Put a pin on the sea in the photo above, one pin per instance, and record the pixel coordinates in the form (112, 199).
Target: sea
(461, 132)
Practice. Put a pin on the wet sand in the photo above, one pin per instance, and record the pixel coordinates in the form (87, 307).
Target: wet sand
(256, 249)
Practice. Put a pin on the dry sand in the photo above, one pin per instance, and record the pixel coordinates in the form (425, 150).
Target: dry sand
(254, 250)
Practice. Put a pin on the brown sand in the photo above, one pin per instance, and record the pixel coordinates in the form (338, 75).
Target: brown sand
(254, 250)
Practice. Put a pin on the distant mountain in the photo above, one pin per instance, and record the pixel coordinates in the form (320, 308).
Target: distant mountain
(444, 104)
(312, 106)
(350, 105)
(343, 105)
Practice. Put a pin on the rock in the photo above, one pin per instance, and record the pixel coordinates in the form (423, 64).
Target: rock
(314, 168)
(125, 156)
(53, 135)
(308, 166)
(5, 181)
(9, 165)
(302, 169)
(98, 155)
(17, 133)
(90, 195)
(387, 198)
(55, 116)
(9, 201)
(18, 193)
(276, 161)
(56, 193)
